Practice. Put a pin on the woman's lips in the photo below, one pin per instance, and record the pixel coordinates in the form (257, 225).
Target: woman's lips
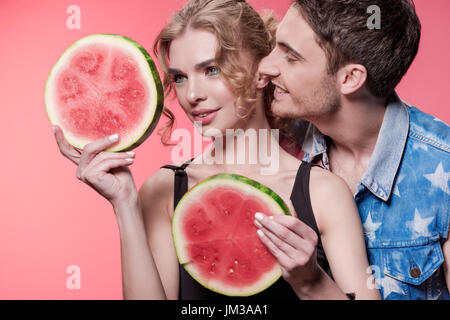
(205, 117)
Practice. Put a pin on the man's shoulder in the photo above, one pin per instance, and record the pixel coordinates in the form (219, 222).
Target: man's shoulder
(428, 130)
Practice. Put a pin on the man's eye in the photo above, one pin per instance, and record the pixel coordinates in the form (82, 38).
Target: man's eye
(290, 60)
(212, 71)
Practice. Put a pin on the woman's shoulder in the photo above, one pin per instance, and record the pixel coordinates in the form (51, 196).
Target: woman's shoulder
(331, 198)
(158, 186)
(325, 182)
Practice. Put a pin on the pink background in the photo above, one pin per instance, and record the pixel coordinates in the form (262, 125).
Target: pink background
(49, 219)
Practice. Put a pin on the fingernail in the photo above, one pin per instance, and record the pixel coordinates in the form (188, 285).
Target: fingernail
(259, 216)
(54, 129)
(260, 233)
(131, 153)
(259, 225)
(113, 137)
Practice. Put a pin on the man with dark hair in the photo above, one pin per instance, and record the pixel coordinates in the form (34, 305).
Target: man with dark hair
(332, 67)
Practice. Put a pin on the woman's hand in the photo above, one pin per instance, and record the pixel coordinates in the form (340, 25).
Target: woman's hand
(106, 172)
(293, 244)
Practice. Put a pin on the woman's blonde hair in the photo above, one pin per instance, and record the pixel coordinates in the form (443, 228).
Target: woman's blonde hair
(238, 29)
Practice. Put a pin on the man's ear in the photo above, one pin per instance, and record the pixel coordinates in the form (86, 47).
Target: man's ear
(351, 78)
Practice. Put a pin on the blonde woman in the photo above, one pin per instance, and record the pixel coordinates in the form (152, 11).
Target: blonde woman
(209, 54)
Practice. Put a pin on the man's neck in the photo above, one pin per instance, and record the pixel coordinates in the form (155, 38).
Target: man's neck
(354, 128)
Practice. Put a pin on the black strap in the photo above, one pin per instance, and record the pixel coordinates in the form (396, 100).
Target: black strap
(181, 181)
(301, 201)
(300, 196)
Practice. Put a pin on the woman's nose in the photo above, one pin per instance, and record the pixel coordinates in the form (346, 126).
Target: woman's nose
(195, 92)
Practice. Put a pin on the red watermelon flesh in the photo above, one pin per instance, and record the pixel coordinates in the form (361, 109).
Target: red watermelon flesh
(100, 93)
(102, 85)
(224, 242)
(215, 235)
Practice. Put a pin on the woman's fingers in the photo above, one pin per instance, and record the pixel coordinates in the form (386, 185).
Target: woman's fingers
(102, 156)
(287, 229)
(281, 245)
(288, 239)
(279, 254)
(65, 148)
(95, 175)
(91, 150)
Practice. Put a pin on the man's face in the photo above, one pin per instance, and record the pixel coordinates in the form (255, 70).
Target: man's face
(298, 69)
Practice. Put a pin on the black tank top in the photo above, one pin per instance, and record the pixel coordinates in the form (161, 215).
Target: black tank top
(189, 289)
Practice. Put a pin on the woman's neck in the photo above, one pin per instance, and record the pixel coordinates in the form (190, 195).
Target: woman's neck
(253, 147)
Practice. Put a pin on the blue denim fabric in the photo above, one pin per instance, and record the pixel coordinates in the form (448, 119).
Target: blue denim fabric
(404, 201)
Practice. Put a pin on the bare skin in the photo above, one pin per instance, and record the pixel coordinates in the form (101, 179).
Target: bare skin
(149, 263)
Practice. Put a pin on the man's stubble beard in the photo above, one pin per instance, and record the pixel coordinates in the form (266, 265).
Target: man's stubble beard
(324, 102)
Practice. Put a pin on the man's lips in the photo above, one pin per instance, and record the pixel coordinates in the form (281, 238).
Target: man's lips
(279, 88)
(279, 91)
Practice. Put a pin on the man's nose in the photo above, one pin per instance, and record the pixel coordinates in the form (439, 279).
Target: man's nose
(268, 67)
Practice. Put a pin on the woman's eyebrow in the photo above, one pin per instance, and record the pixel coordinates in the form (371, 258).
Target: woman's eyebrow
(203, 64)
(173, 71)
(198, 66)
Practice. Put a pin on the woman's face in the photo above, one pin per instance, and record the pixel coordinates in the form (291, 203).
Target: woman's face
(201, 90)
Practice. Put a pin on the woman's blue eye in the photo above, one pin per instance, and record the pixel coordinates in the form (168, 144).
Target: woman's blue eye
(212, 71)
(178, 78)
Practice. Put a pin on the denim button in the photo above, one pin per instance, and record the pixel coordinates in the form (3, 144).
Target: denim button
(415, 272)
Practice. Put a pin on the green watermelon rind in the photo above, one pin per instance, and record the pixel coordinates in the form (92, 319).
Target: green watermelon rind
(272, 276)
(156, 81)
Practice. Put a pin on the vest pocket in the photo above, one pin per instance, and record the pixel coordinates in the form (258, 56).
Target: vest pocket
(413, 264)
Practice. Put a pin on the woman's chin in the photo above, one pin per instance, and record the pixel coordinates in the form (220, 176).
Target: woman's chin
(210, 132)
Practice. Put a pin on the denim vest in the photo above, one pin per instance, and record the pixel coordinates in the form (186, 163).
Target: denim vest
(404, 201)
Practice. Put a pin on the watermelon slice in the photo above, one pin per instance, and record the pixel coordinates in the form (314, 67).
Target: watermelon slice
(215, 236)
(101, 85)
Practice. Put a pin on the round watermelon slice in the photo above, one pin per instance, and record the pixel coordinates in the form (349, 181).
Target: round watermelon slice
(101, 85)
(215, 236)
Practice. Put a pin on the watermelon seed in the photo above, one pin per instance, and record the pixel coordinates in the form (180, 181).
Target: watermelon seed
(231, 270)
(235, 262)
(226, 212)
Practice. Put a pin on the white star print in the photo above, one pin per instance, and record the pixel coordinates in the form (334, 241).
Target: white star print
(399, 179)
(439, 178)
(420, 146)
(370, 227)
(389, 285)
(419, 225)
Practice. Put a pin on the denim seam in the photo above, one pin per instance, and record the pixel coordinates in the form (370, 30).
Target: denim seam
(402, 244)
(445, 223)
(434, 143)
